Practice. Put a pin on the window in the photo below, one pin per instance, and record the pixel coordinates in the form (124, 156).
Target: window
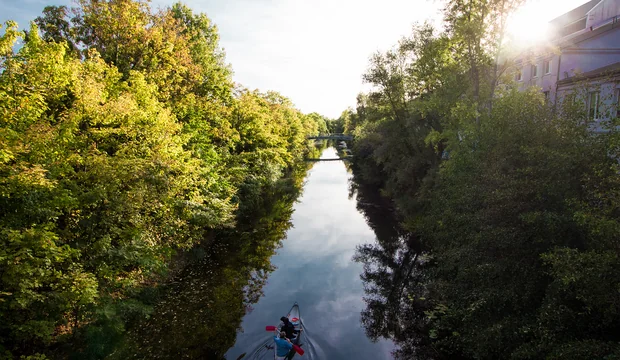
(617, 102)
(534, 70)
(593, 105)
(547, 94)
(519, 75)
(547, 65)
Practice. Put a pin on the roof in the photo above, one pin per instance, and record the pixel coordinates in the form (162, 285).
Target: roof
(608, 70)
(574, 15)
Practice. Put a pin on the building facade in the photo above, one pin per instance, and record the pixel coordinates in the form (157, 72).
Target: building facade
(582, 58)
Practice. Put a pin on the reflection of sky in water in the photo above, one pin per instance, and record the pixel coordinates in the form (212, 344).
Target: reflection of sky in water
(314, 268)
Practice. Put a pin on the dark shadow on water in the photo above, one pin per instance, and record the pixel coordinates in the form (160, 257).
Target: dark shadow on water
(393, 276)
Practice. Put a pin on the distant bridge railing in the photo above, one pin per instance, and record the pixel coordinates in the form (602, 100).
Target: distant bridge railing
(342, 137)
(347, 158)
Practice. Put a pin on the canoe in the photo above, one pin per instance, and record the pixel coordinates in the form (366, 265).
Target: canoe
(294, 316)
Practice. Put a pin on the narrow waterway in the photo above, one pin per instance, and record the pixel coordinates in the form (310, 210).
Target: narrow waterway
(315, 268)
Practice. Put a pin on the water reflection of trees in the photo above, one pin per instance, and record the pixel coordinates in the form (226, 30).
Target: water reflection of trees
(316, 150)
(200, 312)
(394, 278)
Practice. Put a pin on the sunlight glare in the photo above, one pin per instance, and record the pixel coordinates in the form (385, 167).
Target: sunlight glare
(530, 24)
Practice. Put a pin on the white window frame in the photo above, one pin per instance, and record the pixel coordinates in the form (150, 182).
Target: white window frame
(546, 63)
(594, 113)
(535, 70)
(519, 75)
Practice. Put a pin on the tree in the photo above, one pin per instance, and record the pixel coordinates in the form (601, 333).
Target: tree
(115, 160)
(512, 198)
(215, 76)
(55, 27)
(478, 28)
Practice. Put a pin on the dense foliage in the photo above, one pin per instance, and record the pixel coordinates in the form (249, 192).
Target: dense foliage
(199, 313)
(508, 205)
(123, 141)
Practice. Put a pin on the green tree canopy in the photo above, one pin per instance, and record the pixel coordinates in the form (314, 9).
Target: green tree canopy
(123, 144)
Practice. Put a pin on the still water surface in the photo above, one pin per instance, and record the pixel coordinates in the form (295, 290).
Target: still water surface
(315, 268)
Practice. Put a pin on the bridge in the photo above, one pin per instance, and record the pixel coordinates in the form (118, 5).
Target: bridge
(341, 137)
(346, 158)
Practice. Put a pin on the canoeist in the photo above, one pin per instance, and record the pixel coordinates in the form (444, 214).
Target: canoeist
(283, 347)
(288, 328)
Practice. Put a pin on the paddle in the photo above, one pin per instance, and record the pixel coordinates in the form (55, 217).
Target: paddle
(298, 349)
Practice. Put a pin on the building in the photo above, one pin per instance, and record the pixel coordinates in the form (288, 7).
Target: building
(583, 56)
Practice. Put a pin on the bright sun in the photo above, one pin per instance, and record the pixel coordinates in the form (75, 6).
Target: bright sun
(530, 24)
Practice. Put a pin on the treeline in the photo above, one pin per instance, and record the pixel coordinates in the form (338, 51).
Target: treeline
(512, 203)
(123, 141)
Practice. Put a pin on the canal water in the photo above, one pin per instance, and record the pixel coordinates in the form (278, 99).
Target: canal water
(315, 269)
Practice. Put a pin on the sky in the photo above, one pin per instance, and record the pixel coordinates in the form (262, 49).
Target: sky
(311, 51)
